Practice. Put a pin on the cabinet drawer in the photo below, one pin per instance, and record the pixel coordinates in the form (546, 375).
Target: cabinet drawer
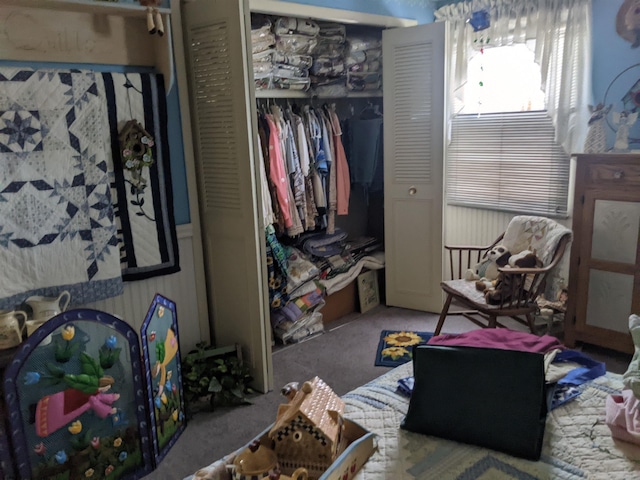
(623, 174)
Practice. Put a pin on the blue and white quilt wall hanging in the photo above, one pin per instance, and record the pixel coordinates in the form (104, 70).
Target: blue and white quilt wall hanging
(144, 211)
(58, 227)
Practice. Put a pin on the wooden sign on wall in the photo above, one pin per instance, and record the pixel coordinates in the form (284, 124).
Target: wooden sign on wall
(39, 34)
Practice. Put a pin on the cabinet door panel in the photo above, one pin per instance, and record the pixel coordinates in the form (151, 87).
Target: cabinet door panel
(609, 300)
(615, 231)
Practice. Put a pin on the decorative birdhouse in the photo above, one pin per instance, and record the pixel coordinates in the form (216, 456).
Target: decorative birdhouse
(308, 431)
(136, 152)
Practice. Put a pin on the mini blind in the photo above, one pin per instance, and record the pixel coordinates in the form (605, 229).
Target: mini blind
(508, 162)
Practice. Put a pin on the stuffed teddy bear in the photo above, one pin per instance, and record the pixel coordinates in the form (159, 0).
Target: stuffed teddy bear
(525, 259)
(501, 289)
(487, 269)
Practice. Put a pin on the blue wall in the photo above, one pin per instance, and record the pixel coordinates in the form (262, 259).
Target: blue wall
(419, 10)
(612, 55)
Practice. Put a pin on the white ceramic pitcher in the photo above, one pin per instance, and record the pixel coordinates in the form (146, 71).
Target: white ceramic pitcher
(44, 308)
(11, 325)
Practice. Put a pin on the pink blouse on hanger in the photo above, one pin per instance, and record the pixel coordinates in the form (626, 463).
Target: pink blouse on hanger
(277, 171)
(343, 182)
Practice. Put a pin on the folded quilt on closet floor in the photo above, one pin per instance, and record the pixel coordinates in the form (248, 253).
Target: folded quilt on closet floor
(577, 442)
(375, 261)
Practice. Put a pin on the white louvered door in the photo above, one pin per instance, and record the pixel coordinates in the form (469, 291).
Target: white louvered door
(222, 103)
(413, 157)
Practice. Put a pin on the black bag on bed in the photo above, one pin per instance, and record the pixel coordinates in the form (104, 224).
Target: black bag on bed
(482, 396)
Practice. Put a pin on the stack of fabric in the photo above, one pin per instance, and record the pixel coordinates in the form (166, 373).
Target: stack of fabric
(301, 274)
(263, 43)
(328, 73)
(296, 39)
(364, 63)
(282, 52)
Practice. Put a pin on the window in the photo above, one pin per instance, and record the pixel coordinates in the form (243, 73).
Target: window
(502, 154)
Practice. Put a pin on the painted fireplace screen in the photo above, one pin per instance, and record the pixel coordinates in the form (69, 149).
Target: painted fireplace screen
(84, 400)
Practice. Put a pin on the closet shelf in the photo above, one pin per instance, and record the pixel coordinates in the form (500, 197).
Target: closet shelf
(87, 6)
(275, 93)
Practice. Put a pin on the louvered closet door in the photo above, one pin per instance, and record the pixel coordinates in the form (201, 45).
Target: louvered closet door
(221, 99)
(413, 157)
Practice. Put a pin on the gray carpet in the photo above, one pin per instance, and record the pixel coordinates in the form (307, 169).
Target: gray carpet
(343, 357)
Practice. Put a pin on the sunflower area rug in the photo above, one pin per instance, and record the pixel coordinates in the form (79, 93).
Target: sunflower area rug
(396, 346)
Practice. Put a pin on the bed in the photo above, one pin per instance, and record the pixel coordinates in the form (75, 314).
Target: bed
(577, 443)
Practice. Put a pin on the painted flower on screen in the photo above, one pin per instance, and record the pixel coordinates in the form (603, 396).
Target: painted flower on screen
(403, 339)
(111, 342)
(31, 378)
(68, 332)
(75, 427)
(61, 457)
(40, 449)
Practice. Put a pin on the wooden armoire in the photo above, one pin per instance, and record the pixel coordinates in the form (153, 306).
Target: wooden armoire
(604, 277)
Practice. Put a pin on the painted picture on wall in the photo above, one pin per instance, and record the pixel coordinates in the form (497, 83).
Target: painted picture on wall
(161, 355)
(73, 402)
(628, 22)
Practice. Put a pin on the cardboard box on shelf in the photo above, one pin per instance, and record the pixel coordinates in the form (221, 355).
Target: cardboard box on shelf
(340, 303)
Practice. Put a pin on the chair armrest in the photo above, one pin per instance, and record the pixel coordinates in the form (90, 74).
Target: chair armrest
(520, 286)
(467, 247)
(462, 257)
(525, 271)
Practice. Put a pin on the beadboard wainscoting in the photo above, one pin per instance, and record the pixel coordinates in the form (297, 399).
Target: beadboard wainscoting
(473, 226)
(180, 287)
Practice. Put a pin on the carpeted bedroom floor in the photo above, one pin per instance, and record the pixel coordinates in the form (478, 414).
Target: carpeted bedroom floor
(343, 356)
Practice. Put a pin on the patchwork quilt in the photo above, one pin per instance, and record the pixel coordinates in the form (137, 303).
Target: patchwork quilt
(57, 227)
(70, 215)
(577, 443)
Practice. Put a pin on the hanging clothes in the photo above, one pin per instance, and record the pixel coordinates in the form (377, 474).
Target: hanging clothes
(366, 152)
(277, 171)
(289, 163)
(343, 181)
(263, 133)
(268, 216)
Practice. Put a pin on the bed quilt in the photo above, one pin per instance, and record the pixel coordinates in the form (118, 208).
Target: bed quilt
(577, 443)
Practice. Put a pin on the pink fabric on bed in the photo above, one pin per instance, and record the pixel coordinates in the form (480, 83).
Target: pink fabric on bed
(502, 338)
(622, 417)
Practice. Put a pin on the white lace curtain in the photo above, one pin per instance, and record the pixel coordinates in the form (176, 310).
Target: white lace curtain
(558, 31)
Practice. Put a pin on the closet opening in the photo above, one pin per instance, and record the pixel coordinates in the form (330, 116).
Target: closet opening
(320, 136)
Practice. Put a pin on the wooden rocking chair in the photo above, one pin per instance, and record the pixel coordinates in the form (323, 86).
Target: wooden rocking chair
(521, 286)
